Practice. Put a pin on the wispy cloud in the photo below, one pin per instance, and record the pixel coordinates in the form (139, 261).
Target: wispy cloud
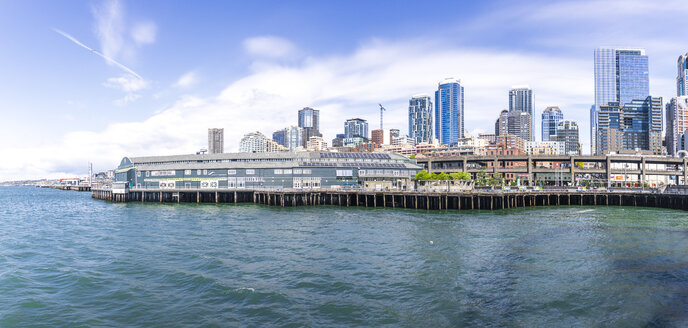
(269, 47)
(187, 80)
(127, 83)
(144, 33)
(110, 27)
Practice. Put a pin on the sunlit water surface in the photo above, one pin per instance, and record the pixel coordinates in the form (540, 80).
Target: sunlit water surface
(68, 260)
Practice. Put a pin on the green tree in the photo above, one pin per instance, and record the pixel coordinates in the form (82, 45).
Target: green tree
(412, 156)
(460, 176)
(440, 176)
(482, 178)
(422, 175)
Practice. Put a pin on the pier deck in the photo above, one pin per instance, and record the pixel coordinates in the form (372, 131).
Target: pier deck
(397, 199)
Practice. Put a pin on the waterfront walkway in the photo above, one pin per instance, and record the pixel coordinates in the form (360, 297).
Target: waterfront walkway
(493, 200)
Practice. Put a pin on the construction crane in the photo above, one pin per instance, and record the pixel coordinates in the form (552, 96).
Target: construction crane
(382, 109)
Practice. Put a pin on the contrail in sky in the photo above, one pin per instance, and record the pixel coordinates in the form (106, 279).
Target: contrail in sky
(98, 53)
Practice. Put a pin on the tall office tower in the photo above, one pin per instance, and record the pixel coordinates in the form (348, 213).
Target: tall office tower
(621, 76)
(309, 121)
(516, 123)
(682, 78)
(449, 111)
(356, 127)
(420, 119)
(216, 141)
(635, 126)
(676, 125)
(567, 132)
(521, 99)
(550, 119)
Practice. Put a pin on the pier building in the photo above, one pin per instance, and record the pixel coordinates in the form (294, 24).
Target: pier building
(278, 170)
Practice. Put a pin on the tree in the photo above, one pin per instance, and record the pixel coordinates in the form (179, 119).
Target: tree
(412, 156)
(422, 175)
(482, 178)
(440, 176)
(460, 176)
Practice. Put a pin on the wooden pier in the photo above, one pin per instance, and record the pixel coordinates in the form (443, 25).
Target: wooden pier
(407, 200)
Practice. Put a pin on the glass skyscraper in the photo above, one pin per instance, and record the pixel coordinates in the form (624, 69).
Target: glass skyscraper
(420, 119)
(621, 76)
(633, 126)
(682, 78)
(521, 99)
(449, 111)
(356, 128)
(567, 132)
(309, 121)
(550, 118)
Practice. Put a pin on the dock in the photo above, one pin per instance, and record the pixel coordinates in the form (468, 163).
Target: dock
(482, 200)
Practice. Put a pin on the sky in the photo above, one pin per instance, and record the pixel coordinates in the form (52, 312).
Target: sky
(157, 74)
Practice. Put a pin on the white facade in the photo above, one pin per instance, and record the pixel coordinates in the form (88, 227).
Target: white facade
(256, 142)
(545, 147)
(676, 125)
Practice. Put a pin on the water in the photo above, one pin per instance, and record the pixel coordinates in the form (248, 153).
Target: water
(68, 260)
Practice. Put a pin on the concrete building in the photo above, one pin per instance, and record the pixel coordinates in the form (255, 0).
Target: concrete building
(567, 133)
(395, 133)
(550, 119)
(316, 144)
(285, 170)
(309, 121)
(449, 111)
(621, 76)
(420, 118)
(216, 140)
(521, 100)
(256, 142)
(403, 140)
(635, 126)
(356, 128)
(545, 148)
(381, 137)
(676, 125)
(682, 78)
(515, 123)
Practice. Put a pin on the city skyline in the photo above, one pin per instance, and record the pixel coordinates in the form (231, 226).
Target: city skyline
(188, 83)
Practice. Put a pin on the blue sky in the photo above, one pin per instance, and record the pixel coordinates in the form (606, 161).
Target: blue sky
(248, 66)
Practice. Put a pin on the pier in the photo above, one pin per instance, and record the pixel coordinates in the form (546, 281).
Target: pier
(493, 200)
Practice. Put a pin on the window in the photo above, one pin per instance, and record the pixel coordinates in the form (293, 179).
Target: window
(250, 171)
(147, 173)
(278, 171)
(138, 174)
(298, 171)
(198, 172)
(205, 172)
(187, 172)
(307, 171)
(287, 171)
(231, 172)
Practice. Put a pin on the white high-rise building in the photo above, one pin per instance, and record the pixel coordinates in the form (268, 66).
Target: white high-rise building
(676, 125)
(521, 99)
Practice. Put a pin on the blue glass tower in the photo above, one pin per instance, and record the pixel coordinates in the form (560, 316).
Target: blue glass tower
(621, 76)
(449, 111)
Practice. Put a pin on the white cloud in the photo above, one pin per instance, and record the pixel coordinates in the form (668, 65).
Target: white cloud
(269, 47)
(127, 83)
(144, 33)
(110, 28)
(187, 80)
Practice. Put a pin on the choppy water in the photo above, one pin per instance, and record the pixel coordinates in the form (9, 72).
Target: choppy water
(68, 260)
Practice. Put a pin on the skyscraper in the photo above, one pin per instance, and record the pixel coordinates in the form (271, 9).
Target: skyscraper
(449, 111)
(515, 123)
(521, 99)
(420, 118)
(682, 78)
(309, 120)
(216, 141)
(356, 127)
(633, 126)
(621, 76)
(677, 125)
(567, 132)
(550, 119)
